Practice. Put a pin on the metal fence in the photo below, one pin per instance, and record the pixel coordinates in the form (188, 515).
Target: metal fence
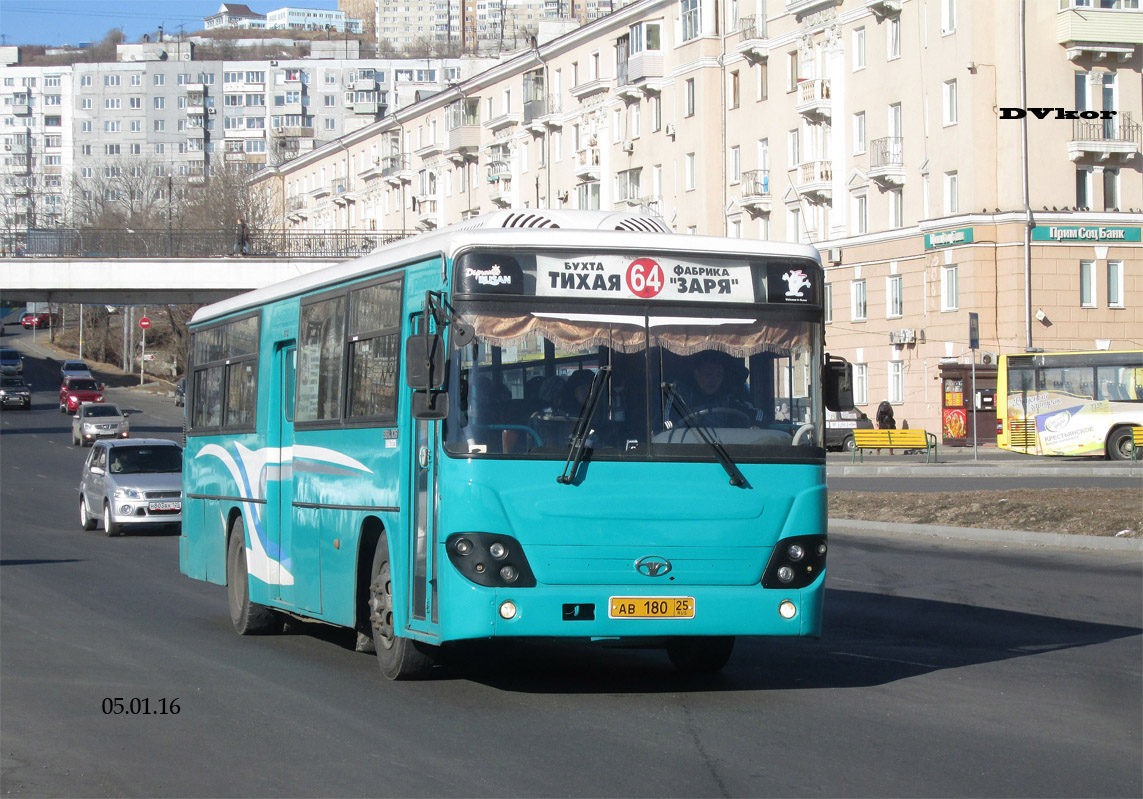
(130, 243)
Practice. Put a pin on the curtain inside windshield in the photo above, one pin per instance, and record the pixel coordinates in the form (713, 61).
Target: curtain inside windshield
(519, 388)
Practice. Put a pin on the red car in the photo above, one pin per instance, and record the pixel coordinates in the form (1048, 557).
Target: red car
(30, 320)
(77, 390)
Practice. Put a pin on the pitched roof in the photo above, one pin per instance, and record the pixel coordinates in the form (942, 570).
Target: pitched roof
(237, 10)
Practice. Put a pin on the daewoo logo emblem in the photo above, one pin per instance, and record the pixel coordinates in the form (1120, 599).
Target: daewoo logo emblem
(652, 566)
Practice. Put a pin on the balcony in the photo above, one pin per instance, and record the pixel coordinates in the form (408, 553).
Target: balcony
(499, 170)
(500, 185)
(320, 191)
(587, 163)
(803, 7)
(815, 181)
(463, 142)
(752, 44)
(883, 8)
(196, 110)
(539, 115)
(645, 65)
(365, 106)
(395, 170)
(1099, 32)
(814, 99)
(887, 161)
(295, 203)
(234, 155)
(651, 206)
(588, 88)
(195, 88)
(339, 190)
(756, 191)
(196, 132)
(503, 121)
(429, 150)
(291, 131)
(1115, 139)
(428, 213)
(291, 108)
(364, 85)
(21, 108)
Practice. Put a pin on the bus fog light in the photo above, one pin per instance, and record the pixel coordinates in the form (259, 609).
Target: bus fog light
(508, 573)
(498, 551)
(796, 552)
(785, 574)
(462, 546)
(508, 610)
(822, 548)
(787, 610)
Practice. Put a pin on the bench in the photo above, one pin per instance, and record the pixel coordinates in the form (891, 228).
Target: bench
(894, 439)
(1136, 442)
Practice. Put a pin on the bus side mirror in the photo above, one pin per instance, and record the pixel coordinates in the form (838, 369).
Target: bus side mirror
(425, 361)
(430, 404)
(837, 382)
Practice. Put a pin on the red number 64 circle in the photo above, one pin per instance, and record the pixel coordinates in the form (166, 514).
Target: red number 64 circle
(645, 278)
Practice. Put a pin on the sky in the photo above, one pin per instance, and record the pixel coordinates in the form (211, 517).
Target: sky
(56, 22)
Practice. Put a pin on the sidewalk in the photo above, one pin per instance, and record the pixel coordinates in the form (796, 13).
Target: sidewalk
(991, 462)
(1019, 537)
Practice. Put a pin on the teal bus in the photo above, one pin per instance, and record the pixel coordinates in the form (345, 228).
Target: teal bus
(512, 427)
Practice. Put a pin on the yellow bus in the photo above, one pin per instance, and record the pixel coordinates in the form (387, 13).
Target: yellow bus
(1069, 403)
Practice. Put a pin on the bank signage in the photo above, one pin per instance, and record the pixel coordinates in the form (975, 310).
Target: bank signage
(1084, 233)
(949, 237)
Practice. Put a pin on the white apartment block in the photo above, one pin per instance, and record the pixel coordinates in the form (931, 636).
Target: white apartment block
(63, 128)
(872, 128)
(308, 19)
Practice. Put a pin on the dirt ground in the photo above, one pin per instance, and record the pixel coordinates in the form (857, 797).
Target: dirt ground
(1086, 511)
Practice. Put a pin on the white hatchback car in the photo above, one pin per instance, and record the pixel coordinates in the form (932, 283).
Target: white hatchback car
(132, 483)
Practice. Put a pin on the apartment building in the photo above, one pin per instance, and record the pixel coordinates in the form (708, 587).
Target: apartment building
(878, 130)
(81, 127)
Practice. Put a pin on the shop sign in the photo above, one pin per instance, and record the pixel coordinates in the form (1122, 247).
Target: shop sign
(1080, 233)
(948, 238)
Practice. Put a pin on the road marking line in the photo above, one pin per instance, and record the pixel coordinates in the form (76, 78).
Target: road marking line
(889, 660)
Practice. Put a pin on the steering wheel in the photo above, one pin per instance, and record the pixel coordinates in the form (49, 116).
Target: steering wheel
(803, 435)
(744, 418)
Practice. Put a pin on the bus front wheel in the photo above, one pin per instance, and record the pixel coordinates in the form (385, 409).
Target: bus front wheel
(699, 655)
(247, 617)
(1119, 444)
(400, 658)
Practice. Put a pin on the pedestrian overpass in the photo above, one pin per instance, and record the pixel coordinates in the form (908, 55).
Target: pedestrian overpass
(146, 281)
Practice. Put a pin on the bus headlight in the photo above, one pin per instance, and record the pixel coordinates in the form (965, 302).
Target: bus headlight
(795, 562)
(490, 559)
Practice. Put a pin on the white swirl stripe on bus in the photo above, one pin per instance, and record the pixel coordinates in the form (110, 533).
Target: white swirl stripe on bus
(264, 560)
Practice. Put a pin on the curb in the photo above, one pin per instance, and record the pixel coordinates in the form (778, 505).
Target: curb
(1024, 537)
(994, 469)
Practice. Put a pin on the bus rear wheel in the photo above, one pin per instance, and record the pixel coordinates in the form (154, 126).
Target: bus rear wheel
(400, 658)
(699, 655)
(248, 618)
(1119, 444)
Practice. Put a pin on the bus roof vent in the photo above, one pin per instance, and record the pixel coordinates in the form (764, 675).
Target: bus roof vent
(644, 224)
(528, 220)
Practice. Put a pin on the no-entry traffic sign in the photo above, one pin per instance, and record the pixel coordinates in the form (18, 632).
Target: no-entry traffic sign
(144, 323)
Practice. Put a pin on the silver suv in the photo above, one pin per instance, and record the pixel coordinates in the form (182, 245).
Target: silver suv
(132, 482)
(92, 422)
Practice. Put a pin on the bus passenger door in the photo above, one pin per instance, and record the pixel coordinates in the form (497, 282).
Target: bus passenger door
(280, 507)
(422, 596)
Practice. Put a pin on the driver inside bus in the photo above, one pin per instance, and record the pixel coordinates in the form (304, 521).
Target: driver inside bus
(716, 391)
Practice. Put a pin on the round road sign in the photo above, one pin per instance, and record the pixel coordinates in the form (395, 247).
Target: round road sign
(144, 323)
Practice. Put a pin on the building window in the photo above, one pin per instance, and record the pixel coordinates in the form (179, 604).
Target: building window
(948, 17)
(160, 103)
(793, 223)
(858, 306)
(896, 209)
(858, 49)
(1087, 284)
(896, 382)
(827, 301)
(690, 15)
(793, 147)
(735, 164)
(892, 38)
(952, 193)
(735, 89)
(859, 133)
(763, 80)
(159, 79)
(860, 213)
(894, 297)
(1115, 284)
(791, 70)
(950, 288)
(587, 196)
(950, 102)
(689, 110)
(689, 171)
(860, 383)
(1110, 189)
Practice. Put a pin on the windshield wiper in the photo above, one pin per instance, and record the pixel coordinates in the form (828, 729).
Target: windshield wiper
(582, 425)
(736, 478)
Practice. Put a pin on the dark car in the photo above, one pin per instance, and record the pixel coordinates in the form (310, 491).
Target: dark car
(840, 427)
(15, 393)
(77, 390)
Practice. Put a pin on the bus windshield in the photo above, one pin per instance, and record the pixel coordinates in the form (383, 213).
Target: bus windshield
(518, 389)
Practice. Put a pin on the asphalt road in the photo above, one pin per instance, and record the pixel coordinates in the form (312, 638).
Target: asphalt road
(946, 668)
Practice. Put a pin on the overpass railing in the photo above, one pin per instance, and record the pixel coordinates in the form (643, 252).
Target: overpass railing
(133, 243)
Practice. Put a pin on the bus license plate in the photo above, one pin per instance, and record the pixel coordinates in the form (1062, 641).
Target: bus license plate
(658, 607)
(165, 506)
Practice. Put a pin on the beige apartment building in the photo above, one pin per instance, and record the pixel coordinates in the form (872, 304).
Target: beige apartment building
(885, 132)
